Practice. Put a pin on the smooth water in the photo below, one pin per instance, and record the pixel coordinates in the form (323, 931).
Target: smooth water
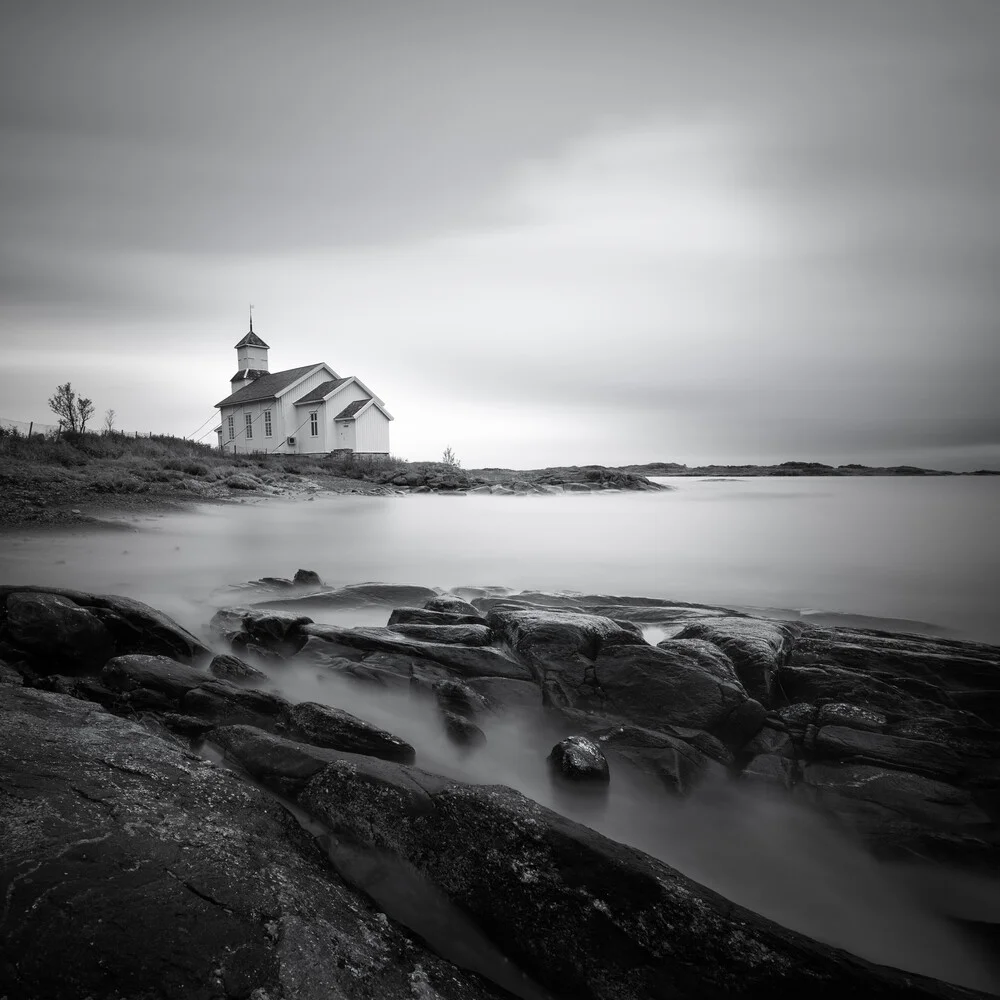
(912, 553)
(923, 550)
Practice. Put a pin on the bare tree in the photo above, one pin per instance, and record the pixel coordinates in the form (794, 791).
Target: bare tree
(449, 458)
(84, 411)
(109, 421)
(63, 405)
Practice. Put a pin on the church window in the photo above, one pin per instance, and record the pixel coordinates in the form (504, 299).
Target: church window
(249, 420)
(314, 423)
(267, 423)
(232, 429)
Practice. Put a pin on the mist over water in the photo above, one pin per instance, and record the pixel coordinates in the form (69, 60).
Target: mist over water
(923, 550)
(919, 550)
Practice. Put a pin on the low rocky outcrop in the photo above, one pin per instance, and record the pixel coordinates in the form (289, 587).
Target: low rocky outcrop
(895, 737)
(361, 595)
(464, 661)
(461, 635)
(425, 616)
(232, 668)
(584, 916)
(52, 630)
(134, 868)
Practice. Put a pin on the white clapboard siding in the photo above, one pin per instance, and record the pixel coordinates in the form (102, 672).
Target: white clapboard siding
(372, 432)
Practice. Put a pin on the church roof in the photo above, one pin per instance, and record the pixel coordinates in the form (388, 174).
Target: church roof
(351, 409)
(245, 373)
(321, 391)
(252, 340)
(267, 386)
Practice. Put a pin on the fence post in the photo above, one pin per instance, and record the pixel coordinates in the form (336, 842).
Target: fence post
(30, 426)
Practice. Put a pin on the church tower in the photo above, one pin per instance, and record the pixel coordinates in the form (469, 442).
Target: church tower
(251, 359)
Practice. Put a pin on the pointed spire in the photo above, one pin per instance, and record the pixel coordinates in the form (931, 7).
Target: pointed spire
(251, 317)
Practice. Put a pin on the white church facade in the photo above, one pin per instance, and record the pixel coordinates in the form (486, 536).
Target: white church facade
(301, 411)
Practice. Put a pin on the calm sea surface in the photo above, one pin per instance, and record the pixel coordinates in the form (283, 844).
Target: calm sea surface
(919, 550)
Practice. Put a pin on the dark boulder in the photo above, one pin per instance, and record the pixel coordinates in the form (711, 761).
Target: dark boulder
(463, 635)
(134, 626)
(451, 605)
(462, 731)
(232, 668)
(307, 578)
(579, 759)
(467, 661)
(423, 616)
(559, 641)
(225, 704)
(280, 763)
(757, 648)
(135, 869)
(336, 729)
(55, 634)
(680, 682)
(155, 673)
(276, 631)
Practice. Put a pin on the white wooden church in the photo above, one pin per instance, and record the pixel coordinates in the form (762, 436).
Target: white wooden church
(300, 411)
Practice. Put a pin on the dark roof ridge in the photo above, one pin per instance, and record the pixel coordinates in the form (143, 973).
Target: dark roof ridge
(268, 385)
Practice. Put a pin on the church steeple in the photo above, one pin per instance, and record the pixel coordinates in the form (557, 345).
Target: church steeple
(251, 358)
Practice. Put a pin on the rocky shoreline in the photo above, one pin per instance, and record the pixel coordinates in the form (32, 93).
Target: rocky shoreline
(174, 825)
(33, 495)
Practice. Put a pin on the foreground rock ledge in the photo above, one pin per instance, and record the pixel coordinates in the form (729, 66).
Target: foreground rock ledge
(131, 868)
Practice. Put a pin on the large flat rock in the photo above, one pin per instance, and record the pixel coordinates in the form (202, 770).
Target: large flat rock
(130, 868)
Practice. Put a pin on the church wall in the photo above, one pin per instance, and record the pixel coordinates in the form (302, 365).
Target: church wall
(372, 432)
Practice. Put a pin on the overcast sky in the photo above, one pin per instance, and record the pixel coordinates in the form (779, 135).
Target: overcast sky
(544, 233)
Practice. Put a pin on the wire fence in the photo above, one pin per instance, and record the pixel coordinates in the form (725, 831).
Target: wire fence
(26, 427)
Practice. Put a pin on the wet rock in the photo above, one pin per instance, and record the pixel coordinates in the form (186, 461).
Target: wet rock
(680, 763)
(361, 595)
(558, 641)
(582, 915)
(155, 873)
(279, 632)
(464, 635)
(451, 605)
(934, 760)
(853, 716)
(280, 763)
(157, 673)
(307, 578)
(681, 682)
(232, 668)
(467, 661)
(460, 698)
(579, 759)
(134, 626)
(244, 645)
(8, 675)
(336, 729)
(461, 731)
(901, 814)
(423, 616)
(757, 648)
(224, 704)
(54, 633)
(505, 693)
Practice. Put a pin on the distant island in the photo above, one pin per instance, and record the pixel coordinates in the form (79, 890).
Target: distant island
(793, 469)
